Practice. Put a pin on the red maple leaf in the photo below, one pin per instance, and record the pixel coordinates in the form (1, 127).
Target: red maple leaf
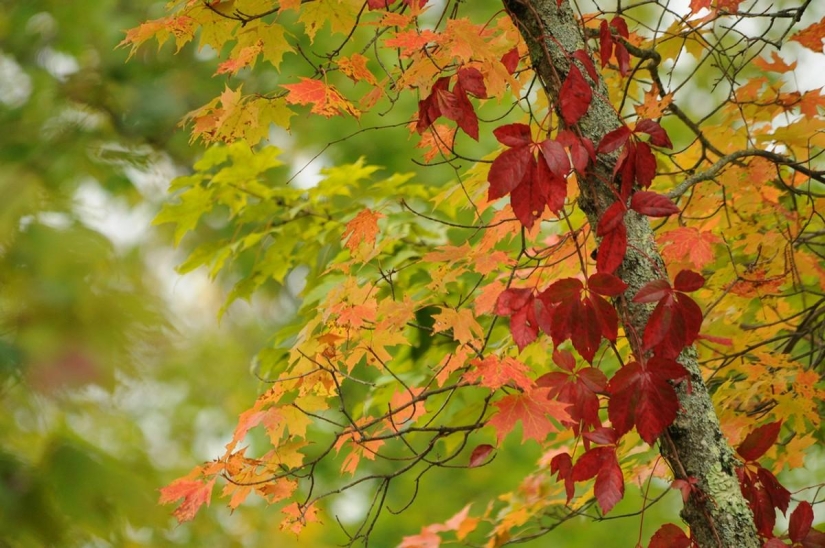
(534, 409)
(518, 304)
(644, 397)
(688, 243)
(602, 463)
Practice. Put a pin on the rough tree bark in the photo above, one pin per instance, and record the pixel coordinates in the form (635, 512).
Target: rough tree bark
(694, 445)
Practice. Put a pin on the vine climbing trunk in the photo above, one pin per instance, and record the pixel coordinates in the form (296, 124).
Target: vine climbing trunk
(693, 446)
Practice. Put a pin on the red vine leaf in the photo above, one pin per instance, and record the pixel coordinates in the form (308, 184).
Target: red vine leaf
(479, 455)
(644, 397)
(759, 441)
(602, 463)
(652, 204)
(801, 521)
(574, 97)
(669, 536)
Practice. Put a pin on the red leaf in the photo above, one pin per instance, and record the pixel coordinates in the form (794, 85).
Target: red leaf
(562, 465)
(688, 280)
(669, 536)
(774, 543)
(512, 300)
(602, 463)
(519, 306)
(580, 156)
(580, 391)
(556, 157)
(623, 58)
(612, 217)
(553, 187)
(644, 165)
(612, 250)
(513, 135)
(429, 109)
(528, 198)
(621, 27)
(587, 63)
(685, 486)
(471, 81)
(493, 373)
(508, 171)
(653, 291)
(759, 441)
(480, 454)
(605, 43)
(510, 60)
(644, 396)
(607, 285)
(574, 97)
(779, 496)
(561, 290)
(652, 204)
(533, 409)
(602, 435)
(564, 359)
(658, 136)
(661, 325)
(467, 119)
(614, 140)
(606, 317)
(801, 520)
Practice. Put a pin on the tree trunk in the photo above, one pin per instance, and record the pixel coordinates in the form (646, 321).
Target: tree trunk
(693, 445)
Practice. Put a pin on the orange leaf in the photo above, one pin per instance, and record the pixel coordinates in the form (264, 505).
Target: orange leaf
(812, 36)
(325, 99)
(691, 243)
(363, 229)
(533, 409)
(463, 323)
(355, 66)
(193, 492)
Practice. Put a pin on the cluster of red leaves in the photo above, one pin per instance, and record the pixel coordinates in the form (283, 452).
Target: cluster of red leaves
(609, 45)
(454, 105)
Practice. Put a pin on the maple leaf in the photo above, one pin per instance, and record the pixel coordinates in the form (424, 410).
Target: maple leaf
(533, 409)
(602, 463)
(355, 67)
(325, 99)
(644, 397)
(195, 493)
(245, 57)
(518, 305)
(493, 372)
(811, 37)
(362, 230)
(690, 243)
(464, 325)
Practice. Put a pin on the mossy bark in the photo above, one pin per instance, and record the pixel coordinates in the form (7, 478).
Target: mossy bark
(693, 445)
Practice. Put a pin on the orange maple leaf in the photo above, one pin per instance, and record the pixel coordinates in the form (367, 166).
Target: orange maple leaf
(533, 409)
(690, 243)
(355, 66)
(195, 493)
(325, 99)
(812, 36)
(363, 229)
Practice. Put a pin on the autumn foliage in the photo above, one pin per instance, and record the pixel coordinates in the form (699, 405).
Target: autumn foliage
(438, 320)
